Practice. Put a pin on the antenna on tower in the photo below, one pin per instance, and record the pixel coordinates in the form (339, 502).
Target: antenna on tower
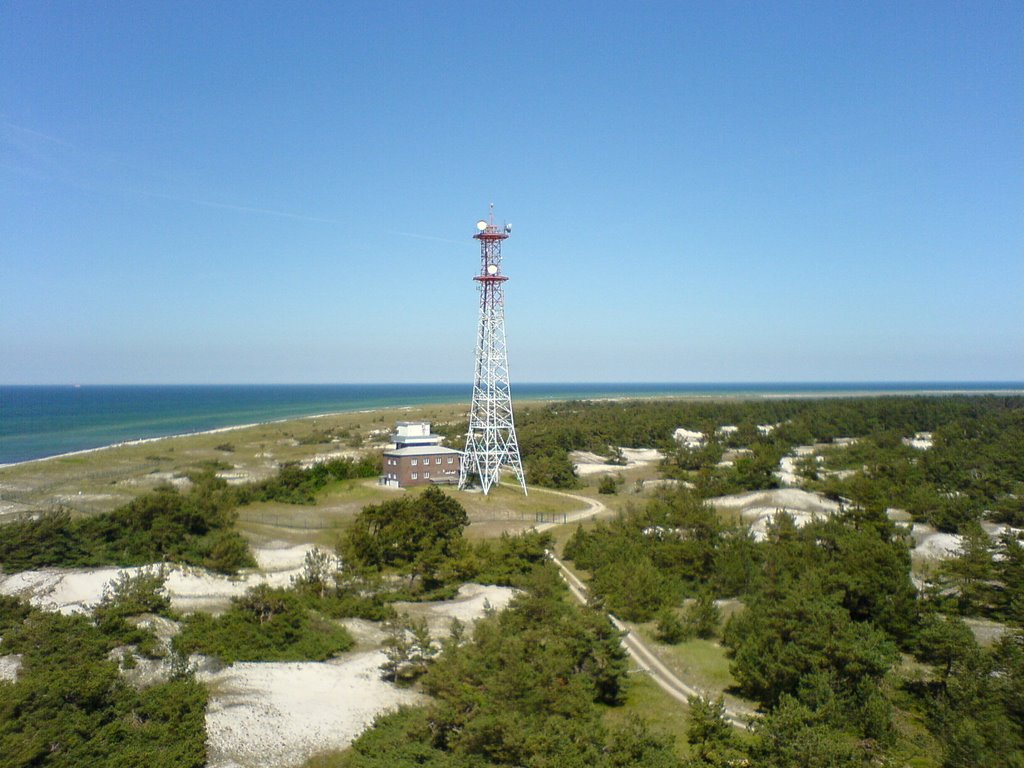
(491, 440)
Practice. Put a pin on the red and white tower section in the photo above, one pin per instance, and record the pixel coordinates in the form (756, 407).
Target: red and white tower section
(491, 443)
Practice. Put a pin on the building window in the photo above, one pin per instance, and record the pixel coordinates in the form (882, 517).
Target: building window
(415, 476)
(413, 462)
(426, 475)
(450, 459)
(437, 460)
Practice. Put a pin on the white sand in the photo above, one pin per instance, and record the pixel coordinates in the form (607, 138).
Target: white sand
(929, 544)
(74, 590)
(281, 556)
(320, 458)
(587, 463)
(899, 516)
(13, 508)
(665, 482)
(266, 715)
(271, 715)
(67, 590)
(689, 438)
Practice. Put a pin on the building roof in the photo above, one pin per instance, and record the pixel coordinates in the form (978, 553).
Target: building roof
(422, 450)
(418, 440)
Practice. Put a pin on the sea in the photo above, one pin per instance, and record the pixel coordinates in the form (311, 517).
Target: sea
(41, 421)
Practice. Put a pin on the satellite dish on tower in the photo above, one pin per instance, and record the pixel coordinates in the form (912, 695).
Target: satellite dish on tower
(481, 225)
(508, 228)
(492, 269)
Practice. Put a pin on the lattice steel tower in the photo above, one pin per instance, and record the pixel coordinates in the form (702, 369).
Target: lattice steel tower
(491, 441)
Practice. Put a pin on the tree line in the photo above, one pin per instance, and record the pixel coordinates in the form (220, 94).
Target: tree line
(195, 527)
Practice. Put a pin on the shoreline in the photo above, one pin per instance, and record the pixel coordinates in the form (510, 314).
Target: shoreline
(197, 433)
(748, 395)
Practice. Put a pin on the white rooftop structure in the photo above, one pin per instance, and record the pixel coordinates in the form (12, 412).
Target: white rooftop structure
(412, 433)
(423, 450)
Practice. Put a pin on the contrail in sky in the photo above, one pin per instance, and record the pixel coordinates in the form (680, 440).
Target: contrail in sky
(429, 237)
(246, 209)
(92, 187)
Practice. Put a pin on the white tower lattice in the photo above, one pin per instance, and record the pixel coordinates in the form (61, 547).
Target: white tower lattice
(491, 441)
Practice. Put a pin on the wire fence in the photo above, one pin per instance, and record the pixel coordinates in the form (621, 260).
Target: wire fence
(299, 522)
(313, 522)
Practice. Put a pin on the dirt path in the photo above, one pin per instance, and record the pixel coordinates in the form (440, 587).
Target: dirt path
(635, 647)
(594, 508)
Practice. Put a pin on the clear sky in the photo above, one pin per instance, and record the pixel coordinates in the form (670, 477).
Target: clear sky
(286, 192)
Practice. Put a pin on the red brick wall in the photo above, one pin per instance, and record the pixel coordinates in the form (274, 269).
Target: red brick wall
(428, 468)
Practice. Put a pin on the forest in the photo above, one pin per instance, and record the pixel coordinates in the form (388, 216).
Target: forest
(976, 463)
(852, 652)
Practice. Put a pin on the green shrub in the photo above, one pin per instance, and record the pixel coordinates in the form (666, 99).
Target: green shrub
(701, 617)
(670, 628)
(164, 524)
(69, 706)
(264, 624)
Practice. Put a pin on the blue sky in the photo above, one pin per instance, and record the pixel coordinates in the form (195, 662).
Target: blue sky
(286, 192)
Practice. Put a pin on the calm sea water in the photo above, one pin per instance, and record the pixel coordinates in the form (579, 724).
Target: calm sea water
(44, 421)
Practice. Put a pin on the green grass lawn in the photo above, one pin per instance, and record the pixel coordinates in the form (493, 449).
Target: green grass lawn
(702, 664)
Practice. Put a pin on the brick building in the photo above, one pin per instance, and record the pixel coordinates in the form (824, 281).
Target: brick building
(418, 458)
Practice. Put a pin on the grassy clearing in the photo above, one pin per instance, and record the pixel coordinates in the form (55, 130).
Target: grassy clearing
(505, 509)
(508, 502)
(701, 663)
(102, 480)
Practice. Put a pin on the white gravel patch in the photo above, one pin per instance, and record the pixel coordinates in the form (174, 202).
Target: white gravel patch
(790, 499)
(67, 590)
(470, 605)
(665, 482)
(759, 508)
(9, 666)
(929, 544)
(922, 441)
(281, 556)
(787, 473)
(271, 715)
(689, 438)
(642, 455)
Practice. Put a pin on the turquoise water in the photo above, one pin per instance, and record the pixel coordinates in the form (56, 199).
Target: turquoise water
(44, 421)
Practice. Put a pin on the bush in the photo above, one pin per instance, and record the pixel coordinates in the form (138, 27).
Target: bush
(132, 595)
(511, 559)
(264, 624)
(417, 535)
(671, 628)
(702, 617)
(69, 706)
